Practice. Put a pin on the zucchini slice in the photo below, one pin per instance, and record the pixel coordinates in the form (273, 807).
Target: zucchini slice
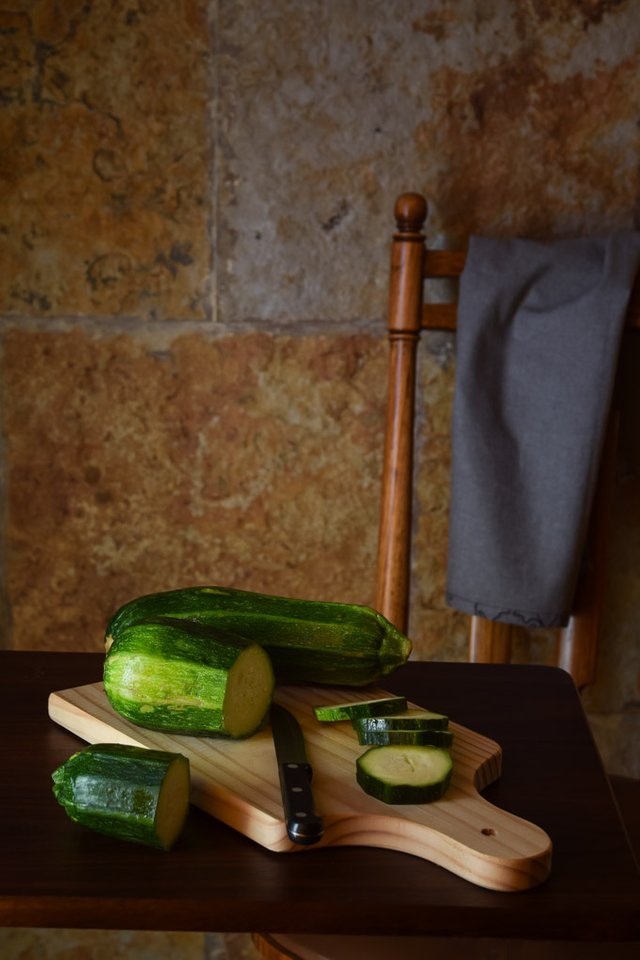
(188, 678)
(405, 774)
(126, 792)
(382, 738)
(360, 708)
(413, 719)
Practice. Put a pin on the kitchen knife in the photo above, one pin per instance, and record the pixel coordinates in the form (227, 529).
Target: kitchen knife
(303, 824)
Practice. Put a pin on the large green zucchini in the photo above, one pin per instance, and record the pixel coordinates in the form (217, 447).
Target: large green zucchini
(188, 678)
(126, 792)
(307, 640)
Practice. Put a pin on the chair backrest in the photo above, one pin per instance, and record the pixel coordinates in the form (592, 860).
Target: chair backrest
(412, 265)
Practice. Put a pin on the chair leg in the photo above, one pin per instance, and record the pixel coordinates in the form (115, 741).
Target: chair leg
(489, 641)
(269, 949)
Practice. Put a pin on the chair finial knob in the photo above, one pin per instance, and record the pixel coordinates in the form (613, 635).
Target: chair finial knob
(410, 212)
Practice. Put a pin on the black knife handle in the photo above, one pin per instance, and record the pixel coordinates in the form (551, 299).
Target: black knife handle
(303, 824)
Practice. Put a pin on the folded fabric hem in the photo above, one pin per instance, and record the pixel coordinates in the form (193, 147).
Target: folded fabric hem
(502, 614)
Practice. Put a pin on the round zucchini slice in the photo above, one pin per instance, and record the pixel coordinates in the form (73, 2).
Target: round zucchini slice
(412, 719)
(436, 738)
(405, 774)
(359, 708)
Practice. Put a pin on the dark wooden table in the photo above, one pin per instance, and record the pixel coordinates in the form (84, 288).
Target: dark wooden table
(54, 873)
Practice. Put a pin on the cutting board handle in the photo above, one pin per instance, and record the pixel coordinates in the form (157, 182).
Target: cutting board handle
(474, 839)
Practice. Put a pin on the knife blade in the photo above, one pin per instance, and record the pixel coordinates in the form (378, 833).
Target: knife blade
(304, 826)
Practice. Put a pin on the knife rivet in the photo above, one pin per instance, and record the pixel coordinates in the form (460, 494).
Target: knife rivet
(301, 813)
(292, 766)
(296, 789)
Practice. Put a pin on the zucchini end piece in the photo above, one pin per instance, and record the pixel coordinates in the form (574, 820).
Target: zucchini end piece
(126, 792)
(395, 648)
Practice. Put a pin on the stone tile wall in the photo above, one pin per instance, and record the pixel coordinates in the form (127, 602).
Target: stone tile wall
(196, 207)
(145, 464)
(195, 223)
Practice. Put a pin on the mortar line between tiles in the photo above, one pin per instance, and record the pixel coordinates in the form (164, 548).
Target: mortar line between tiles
(110, 326)
(5, 610)
(214, 161)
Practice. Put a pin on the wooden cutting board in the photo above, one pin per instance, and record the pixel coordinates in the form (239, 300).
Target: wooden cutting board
(237, 782)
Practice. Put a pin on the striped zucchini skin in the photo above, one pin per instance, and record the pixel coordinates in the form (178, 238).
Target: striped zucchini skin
(414, 719)
(308, 641)
(380, 738)
(116, 789)
(179, 677)
(360, 710)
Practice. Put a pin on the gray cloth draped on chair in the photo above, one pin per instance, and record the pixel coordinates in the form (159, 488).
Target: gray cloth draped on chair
(539, 331)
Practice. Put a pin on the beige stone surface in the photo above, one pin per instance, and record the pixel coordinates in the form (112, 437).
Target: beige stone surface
(47, 944)
(105, 160)
(440, 632)
(251, 461)
(512, 117)
(50, 944)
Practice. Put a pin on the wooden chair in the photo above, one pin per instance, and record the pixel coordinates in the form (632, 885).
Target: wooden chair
(412, 266)
(409, 313)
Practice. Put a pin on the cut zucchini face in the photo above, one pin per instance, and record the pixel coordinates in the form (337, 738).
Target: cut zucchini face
(361, 708)
(188, 678)
(405, 774)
